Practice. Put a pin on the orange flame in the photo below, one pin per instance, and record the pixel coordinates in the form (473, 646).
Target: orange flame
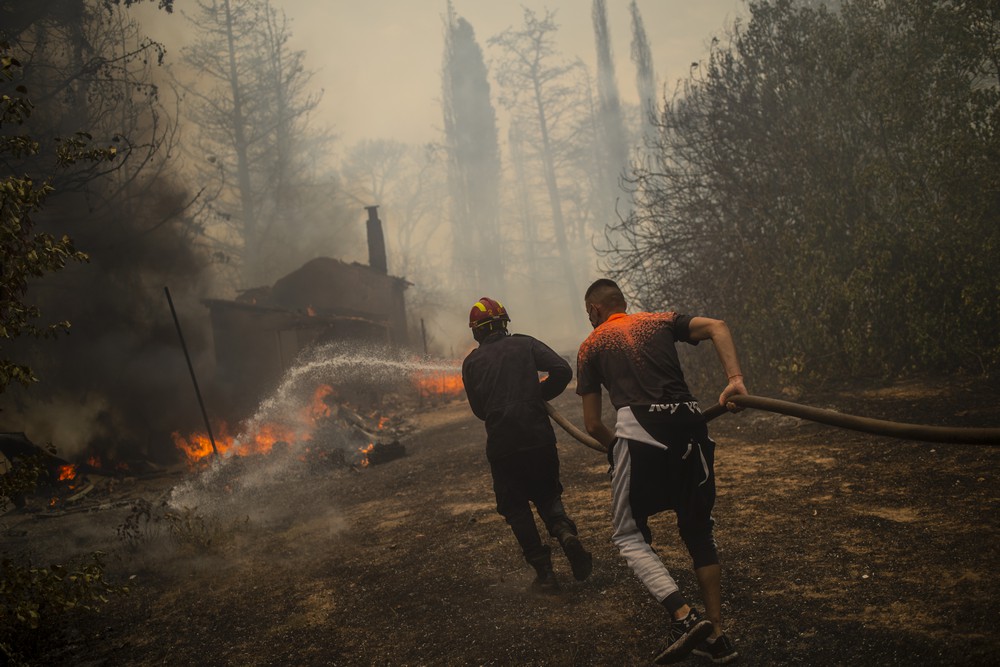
(310, 311)
(94, 461)
(448, 385)
(198, 446)
(364, 453)
(67, 472)
(318, 407)
(266, 438)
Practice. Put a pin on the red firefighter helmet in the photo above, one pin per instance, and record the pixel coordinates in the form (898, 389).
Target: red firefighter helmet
(487, 310)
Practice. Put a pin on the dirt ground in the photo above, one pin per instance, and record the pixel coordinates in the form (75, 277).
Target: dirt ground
(838, 548)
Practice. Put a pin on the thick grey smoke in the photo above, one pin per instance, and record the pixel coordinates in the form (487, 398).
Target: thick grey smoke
(117, 385)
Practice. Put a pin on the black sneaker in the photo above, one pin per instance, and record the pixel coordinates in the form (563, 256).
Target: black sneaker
(684, 635)
(580, 559)
(719, 651)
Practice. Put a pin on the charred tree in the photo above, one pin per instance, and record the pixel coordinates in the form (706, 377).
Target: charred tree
(251, 106)
(538, 92)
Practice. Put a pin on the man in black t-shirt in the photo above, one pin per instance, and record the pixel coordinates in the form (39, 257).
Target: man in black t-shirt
(502, 384)
(660, 452)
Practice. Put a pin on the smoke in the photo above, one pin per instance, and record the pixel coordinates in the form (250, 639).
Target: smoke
(117, 384)
(74, 423)
(373, 97)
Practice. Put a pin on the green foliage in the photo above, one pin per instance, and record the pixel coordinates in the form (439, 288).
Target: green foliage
(21, 479)
(24, 253)
(34, 599)
(165, 5)
(829, 183)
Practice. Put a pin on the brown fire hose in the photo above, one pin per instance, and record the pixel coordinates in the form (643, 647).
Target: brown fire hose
(943, 434)
(570, 428)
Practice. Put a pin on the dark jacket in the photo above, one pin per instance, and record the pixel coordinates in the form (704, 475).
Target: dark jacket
(501, 382)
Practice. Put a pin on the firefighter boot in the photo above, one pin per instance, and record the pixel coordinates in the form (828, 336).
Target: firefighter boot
(545, 579)
(579, 558)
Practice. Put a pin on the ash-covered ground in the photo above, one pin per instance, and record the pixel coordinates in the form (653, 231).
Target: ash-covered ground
(838, 548)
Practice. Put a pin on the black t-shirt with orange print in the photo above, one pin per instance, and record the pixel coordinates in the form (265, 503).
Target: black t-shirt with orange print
(635, 358)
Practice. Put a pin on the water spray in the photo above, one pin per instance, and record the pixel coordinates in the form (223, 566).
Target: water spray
(287, 408)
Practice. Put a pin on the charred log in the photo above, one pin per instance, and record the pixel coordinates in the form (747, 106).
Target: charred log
(383, 452)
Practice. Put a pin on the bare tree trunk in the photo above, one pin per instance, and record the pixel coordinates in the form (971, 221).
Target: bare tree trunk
(558, 225)
(524, 209)
(251, 245)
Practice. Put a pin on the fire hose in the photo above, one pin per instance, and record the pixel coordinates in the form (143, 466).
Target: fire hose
(941, 434)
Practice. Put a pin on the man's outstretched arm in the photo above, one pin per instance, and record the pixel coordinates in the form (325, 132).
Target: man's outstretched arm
(706, 328)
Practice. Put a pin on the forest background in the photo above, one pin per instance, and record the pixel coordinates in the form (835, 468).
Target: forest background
(824, 177)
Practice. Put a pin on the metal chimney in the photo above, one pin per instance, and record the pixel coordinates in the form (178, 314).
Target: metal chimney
(376, 241)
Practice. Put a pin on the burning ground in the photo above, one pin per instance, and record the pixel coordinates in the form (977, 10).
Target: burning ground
(839, 548)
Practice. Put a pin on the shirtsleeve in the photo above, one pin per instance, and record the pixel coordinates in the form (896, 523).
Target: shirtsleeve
(588, 379)
(682, 329)
(475, 403)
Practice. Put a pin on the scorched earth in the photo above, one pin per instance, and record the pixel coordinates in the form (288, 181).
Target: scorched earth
(838, 548)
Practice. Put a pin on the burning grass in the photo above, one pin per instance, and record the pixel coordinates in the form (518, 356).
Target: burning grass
(297, 428)
(315, 419)
(439, 385)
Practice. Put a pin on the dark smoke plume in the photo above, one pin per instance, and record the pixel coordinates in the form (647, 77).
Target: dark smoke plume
(117, 385)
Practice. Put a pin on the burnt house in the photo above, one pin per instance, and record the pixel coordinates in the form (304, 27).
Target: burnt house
(258, 335)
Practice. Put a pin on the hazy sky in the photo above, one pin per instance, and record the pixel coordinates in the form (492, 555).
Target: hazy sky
(379, 61)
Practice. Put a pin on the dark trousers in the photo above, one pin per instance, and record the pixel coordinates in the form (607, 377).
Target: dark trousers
(680, 478)
(531, 476)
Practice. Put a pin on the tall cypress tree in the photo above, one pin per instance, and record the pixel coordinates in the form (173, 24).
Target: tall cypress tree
(645, 79)
(615, 147)
(473, 157)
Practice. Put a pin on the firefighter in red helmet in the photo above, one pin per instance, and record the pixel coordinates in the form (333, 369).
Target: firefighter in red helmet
(486, 317)
(502, 385)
